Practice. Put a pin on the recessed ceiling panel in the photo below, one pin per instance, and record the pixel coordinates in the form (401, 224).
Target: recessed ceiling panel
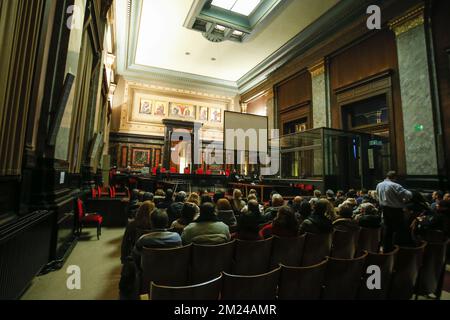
(163, 40)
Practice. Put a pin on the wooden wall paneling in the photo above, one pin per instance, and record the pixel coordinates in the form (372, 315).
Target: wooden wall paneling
(19, 42)
(361, 63)
(294, 91)
(440, 24)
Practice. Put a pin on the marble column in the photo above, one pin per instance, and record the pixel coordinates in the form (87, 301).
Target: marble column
(319, 95)
(319, 109)
(414, 73)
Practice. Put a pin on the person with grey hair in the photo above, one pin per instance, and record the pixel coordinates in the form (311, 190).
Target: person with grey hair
(175, 208)
(277, 203)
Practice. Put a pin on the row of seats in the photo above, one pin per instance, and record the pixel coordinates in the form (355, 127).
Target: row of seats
(109, 192)
(403, 272)
(194, 264)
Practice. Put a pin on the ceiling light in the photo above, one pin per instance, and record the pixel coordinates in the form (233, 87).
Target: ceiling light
(213, 59)
(187, 53)
(225, 4)
(237, 33)
(219, 27)
(245, 7)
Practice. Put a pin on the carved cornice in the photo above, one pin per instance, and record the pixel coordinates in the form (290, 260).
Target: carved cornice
(410, 20)
(317, 69)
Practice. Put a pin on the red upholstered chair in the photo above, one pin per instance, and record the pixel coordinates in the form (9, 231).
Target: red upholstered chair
(227, 172)
(173, 170)
(94, 193)
(208, 172)
(154, 171)
(199, 171)
(187, 171)
(88, 219)
(163, 170)
(112, 192)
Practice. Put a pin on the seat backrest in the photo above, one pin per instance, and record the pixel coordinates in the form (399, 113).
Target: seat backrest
(302, 283)
(208, 261)
(252, 257)
(369, 240)
(385, 261)
(164, 266)
(343, 278)
(80, 208)
(406, 271)
(209, 290)
(256, 287)
(343, 245)
(432, 272)
(317, 247)
(288, 251)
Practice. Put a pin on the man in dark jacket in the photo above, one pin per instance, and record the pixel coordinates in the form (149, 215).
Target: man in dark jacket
(174, 210)
(317, 222)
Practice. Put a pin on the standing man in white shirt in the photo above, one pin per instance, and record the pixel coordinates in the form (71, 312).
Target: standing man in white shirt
(392, 197)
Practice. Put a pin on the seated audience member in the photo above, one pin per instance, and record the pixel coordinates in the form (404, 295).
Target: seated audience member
(361, 196)
(305, 210)
(340, 198)
(345, 218)
(237, 203)
(134, 203)
(206, 229)
(331, 211)
(352, 194)
(225, 213)
(148, 196)
(205, 198)
(436, 197)
(368, 216)
(188, 215)
(317, 222)
(330, 197)
(133, 231)
(218, 195)
(159, 197)
(446, 197)
(134, 228)
(316, 196)
(296, 206)
(253, 197)
(159, 237)
(249, 221)
(284, 225)
(175, 208)
(168, 200)
(194, 198)
(271, 212)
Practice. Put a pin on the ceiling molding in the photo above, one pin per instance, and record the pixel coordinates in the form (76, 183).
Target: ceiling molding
(335, 18)
(127, 38)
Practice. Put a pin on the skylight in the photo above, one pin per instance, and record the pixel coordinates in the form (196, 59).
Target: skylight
(244, 7)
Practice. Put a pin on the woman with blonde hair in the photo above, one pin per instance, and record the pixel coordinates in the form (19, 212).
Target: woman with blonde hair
(135, 228)
(194, 198)
(237, 203)
(133, 231)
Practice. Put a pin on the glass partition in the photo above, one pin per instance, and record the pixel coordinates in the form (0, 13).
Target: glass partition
(333, 158)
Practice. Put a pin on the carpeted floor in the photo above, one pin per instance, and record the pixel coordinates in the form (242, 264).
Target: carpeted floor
(99, 262)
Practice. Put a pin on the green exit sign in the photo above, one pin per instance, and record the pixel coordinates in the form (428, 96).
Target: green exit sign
(418, 127)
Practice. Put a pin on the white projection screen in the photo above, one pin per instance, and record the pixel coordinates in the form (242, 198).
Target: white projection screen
(249, 126)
